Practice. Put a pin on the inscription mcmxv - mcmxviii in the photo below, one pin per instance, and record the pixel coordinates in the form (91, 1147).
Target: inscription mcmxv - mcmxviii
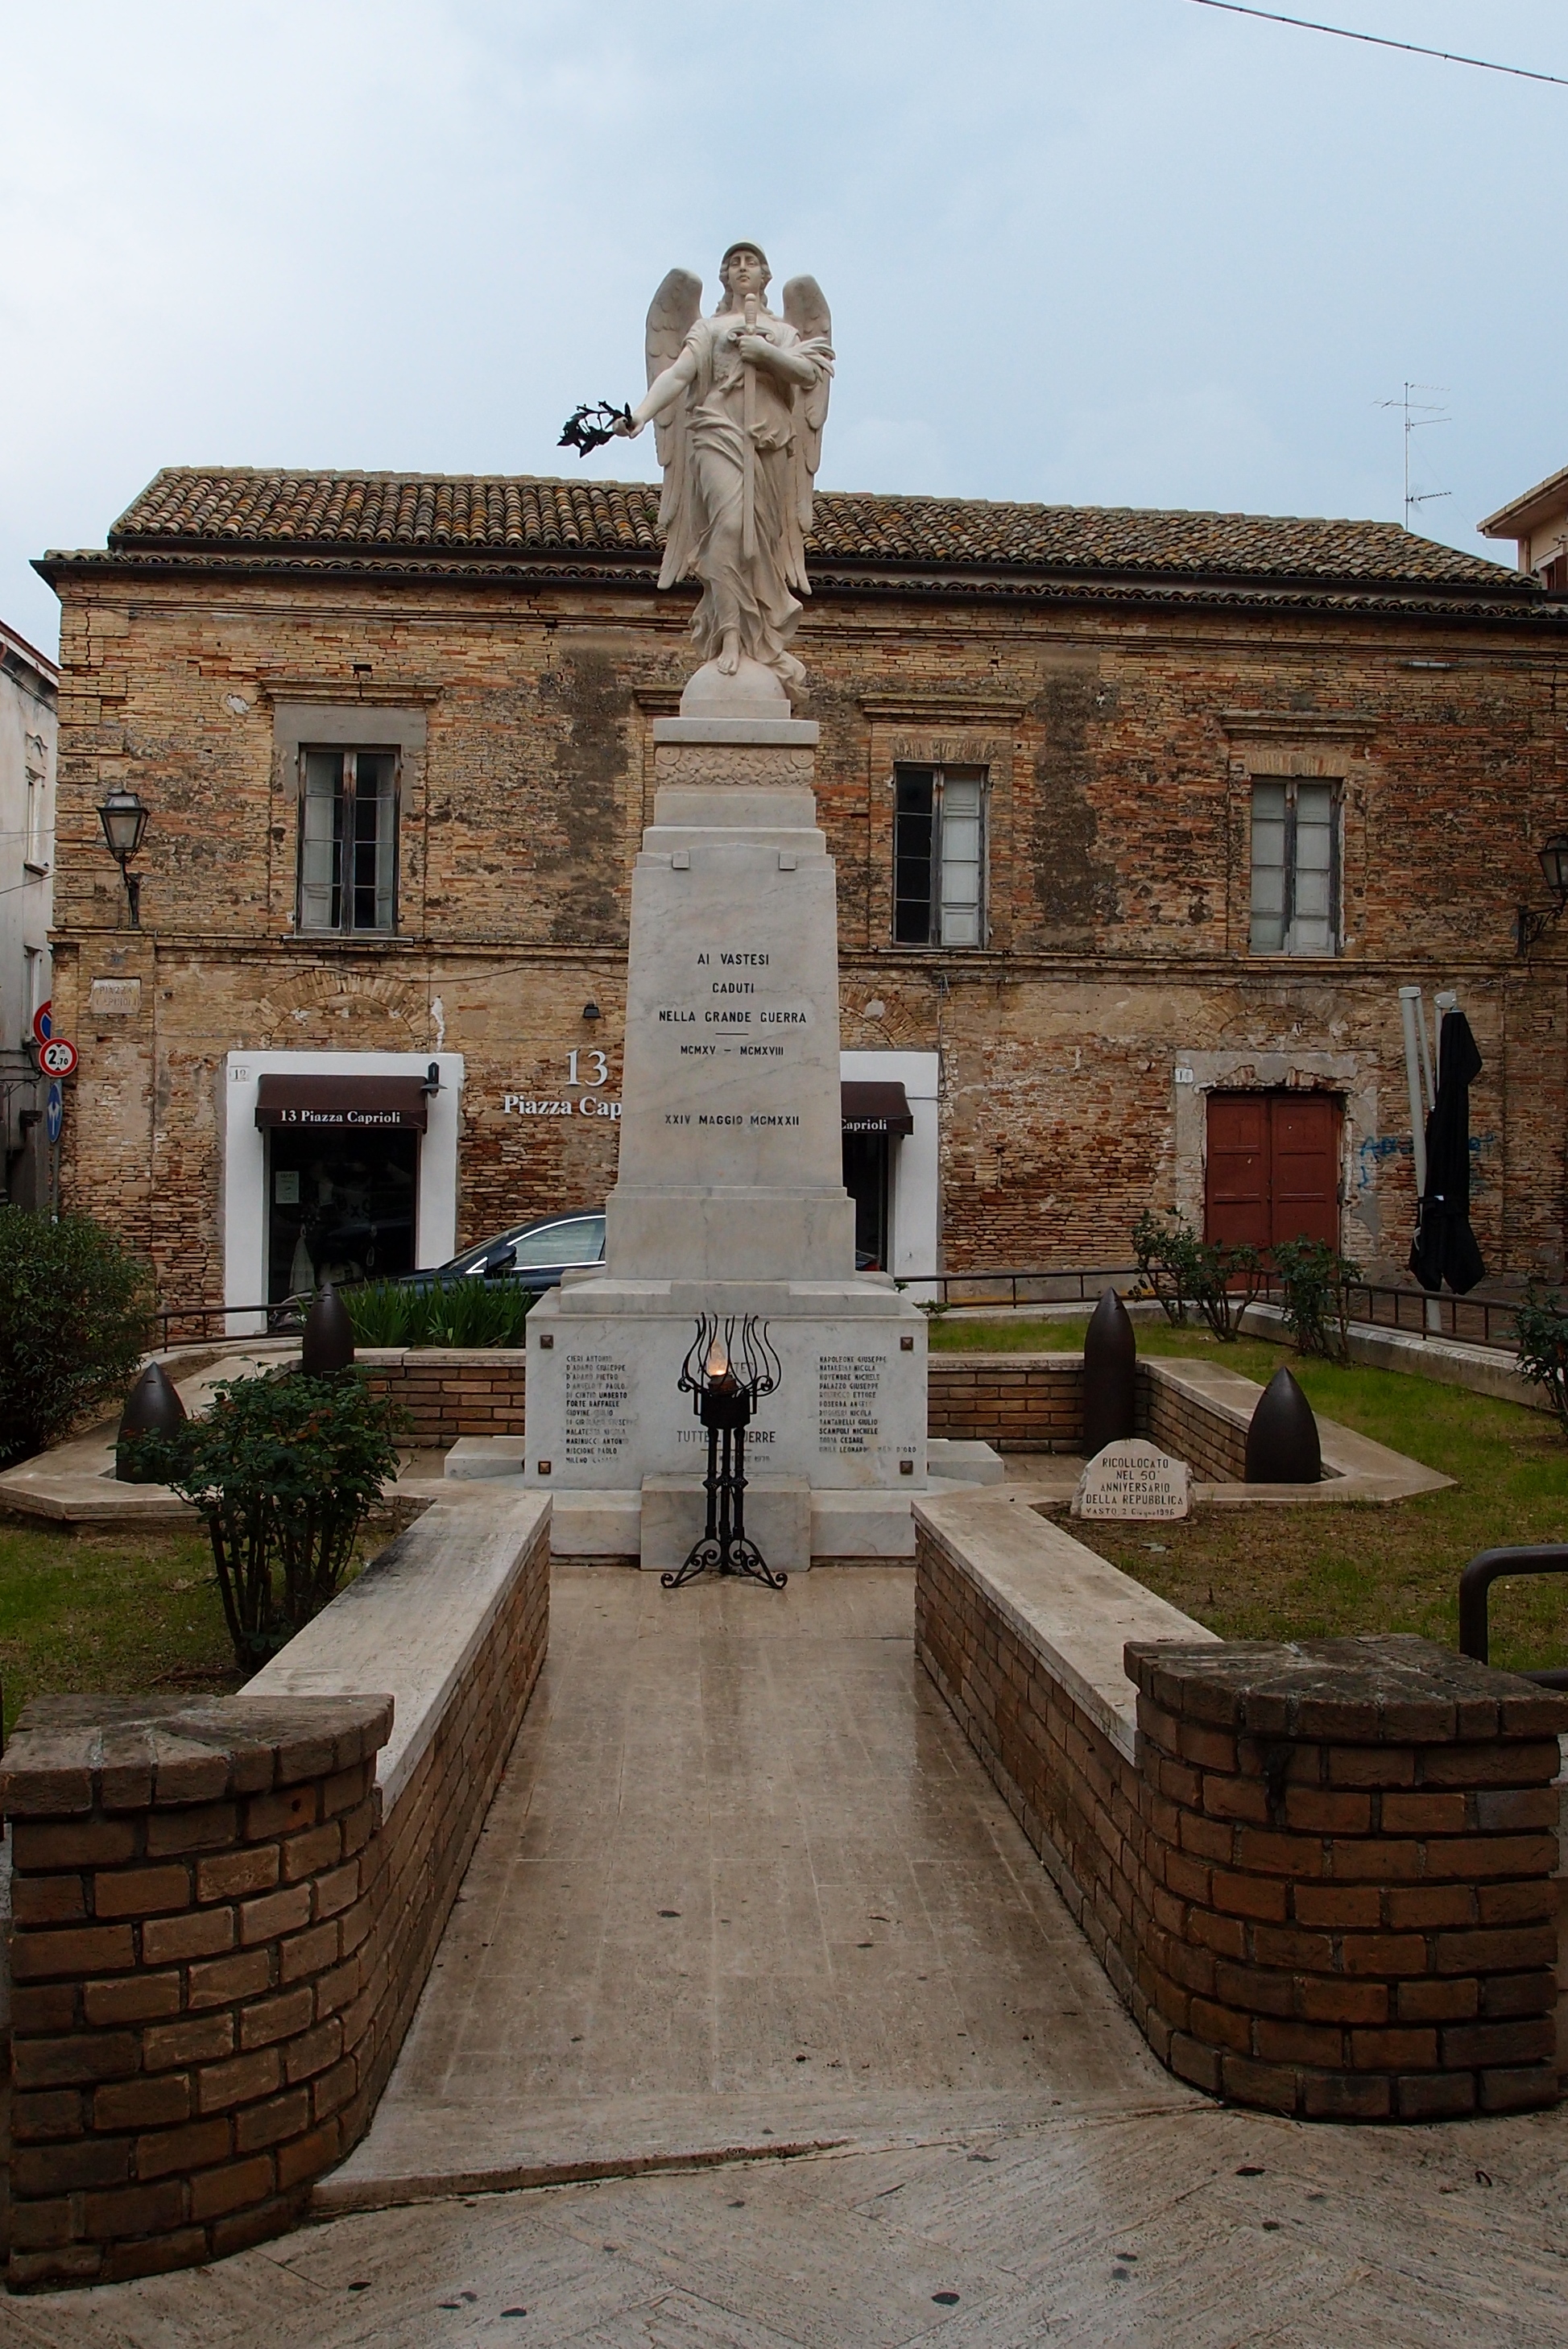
(595, 1393)
(848, 1386)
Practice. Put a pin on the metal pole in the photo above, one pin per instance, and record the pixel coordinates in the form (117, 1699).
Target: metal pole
(1418, 1082)
(1415, 1055)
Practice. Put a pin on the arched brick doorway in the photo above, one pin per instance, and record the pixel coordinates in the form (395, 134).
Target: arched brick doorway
(1271, 1171)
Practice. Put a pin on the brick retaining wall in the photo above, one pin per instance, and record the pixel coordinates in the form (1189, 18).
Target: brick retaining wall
(447, 1394)
(1191, 1428)
(1318, 1875)
(219, 1939)
(1019, 1403)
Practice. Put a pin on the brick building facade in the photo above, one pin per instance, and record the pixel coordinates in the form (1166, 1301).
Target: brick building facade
(1141, 821)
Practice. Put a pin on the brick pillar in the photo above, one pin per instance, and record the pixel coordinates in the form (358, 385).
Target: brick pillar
(1350, 1847)
(187, 2004)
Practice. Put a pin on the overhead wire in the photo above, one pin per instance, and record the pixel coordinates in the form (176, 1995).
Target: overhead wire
(1382, 41)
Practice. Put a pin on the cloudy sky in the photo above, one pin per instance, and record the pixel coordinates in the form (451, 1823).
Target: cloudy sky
(1104, 252)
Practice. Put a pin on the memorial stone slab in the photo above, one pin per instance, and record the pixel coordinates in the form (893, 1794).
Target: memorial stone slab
(1133, 1479)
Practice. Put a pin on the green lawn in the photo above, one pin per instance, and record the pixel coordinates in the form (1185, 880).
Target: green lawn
(123, 1613)
(1306, 1573)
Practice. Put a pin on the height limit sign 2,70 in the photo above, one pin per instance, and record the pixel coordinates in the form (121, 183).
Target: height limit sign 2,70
(58, 1058)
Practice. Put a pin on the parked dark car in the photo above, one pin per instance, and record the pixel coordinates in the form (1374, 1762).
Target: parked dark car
(532, 1255)
(536, 1254)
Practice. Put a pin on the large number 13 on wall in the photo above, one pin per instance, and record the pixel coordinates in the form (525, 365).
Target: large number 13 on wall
(601, 1063)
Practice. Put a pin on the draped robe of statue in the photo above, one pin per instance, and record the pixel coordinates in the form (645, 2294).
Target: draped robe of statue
(729, 442)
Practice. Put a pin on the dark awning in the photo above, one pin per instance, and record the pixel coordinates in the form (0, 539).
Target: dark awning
(342, 1102)
(876, 1109)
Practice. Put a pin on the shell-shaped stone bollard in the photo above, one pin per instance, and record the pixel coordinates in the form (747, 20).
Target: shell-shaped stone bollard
(1282, 1446)
(328, 1345)
(1110, 1376)
(152, 1408)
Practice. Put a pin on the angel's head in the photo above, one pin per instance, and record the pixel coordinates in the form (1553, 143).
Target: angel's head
(743, 271)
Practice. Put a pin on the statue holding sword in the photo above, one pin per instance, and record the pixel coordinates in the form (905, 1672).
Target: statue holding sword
(739, 400)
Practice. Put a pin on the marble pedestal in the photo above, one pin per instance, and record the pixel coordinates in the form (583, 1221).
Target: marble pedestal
(730, 1196)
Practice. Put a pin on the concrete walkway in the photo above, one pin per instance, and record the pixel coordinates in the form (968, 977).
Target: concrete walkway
(744, 1886)
(745, 1889)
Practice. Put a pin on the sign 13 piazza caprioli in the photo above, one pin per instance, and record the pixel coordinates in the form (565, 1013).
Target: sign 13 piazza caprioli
(586, 1070)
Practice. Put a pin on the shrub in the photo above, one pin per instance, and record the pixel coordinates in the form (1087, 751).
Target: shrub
(1315, 1278)
(1180, 1269)
(285, 1471)
(76, 1318)
(1540, 1321)
(466, 1312)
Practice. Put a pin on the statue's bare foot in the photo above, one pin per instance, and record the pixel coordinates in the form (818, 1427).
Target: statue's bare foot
(729, 661)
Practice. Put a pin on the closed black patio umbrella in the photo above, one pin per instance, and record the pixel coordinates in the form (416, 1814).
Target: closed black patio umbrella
(1444, 1246)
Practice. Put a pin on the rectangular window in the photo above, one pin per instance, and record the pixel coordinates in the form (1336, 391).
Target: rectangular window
(1295, 866)
(35, 836)
(349, 840)
(938, 856)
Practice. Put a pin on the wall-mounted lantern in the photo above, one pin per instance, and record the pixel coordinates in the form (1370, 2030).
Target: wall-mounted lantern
(124, 821)
(591, 1012)
(1528, 924)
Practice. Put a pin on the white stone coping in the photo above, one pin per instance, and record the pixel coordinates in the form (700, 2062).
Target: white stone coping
(1357, 1468)
(413, 1622)
(1448, 1361)
(1070, 1608)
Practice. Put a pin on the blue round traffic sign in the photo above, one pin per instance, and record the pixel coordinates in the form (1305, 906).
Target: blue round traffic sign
(54, 1113)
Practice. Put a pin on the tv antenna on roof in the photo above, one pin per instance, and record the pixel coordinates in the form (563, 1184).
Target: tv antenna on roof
(1417, 414)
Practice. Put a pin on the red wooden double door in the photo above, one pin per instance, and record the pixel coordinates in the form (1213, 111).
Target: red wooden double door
(1273, 1168)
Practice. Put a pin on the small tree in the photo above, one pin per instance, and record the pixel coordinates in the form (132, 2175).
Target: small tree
(285, 1471)
(76, 1318)
(1541, 1321)
(1221, 1279)
(1315, 1281)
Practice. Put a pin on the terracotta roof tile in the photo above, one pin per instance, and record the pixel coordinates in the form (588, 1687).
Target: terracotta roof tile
(197, 509)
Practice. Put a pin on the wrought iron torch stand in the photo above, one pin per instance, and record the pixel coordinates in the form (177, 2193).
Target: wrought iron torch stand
(725, 1379)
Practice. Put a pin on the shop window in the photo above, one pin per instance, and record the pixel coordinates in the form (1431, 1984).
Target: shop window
(938, 856)
(1295, 866)
(349, 840)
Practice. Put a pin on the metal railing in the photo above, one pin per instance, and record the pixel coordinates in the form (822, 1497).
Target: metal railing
(1473, 1320)
(1475, 1592)
(281, 1319)
(1070, 1286)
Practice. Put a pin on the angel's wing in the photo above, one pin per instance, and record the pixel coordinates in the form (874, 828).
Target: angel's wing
(677, 304)
(806, 310)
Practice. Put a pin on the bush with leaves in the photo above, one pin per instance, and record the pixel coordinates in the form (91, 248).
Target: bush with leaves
(1180, 1269)
(1314, 1282)
(1541, 1322)
(76, 1318)
(284, 1471)
(466, 1313)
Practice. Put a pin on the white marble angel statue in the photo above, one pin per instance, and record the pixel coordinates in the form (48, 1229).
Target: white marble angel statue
(741, 398)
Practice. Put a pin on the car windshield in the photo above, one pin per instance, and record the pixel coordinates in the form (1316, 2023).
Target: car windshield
(572, 1240)
(580, 1241)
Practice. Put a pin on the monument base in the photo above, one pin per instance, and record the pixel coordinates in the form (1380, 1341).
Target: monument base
(835, 1456)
